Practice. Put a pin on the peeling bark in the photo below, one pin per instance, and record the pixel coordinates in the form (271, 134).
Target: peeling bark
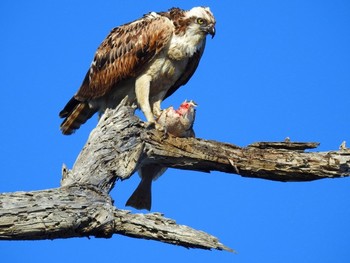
(116, 148)
(77, 211)
(279, 161)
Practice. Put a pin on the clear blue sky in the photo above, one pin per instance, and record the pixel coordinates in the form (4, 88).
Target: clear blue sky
(274, 69)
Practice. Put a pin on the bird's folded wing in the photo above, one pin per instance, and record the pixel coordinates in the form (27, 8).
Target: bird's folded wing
(124, 53)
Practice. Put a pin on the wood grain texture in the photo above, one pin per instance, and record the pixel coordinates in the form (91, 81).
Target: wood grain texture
(121, 144)
(271, 163)
(76, 211)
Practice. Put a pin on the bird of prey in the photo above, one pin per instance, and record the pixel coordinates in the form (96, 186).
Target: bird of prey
(178, 123)
(146, 60)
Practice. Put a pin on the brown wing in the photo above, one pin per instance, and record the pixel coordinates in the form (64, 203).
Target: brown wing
(188, 72)
(125, 51)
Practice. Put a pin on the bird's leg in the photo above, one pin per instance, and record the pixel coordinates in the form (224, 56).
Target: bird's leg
(142, 90)
(156, 108)
(156, 101)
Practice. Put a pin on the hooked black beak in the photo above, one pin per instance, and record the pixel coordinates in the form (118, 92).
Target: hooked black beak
(211, 30)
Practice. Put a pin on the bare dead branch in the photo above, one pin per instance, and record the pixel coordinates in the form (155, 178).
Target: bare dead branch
(120, 144)
(78, 211)
(116, 148)
(280, 161)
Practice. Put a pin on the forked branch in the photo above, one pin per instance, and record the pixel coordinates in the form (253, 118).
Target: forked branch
(116, 148)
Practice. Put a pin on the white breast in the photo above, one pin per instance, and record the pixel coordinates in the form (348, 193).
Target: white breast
(164, 72)
(185, 45)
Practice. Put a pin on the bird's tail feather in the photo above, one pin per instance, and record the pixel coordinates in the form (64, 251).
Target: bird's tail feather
(75, 113)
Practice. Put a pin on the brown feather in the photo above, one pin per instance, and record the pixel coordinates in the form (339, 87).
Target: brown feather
(177, 16)
(76, 113)
(123, 54)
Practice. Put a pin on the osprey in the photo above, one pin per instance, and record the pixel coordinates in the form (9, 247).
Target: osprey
(146, 60)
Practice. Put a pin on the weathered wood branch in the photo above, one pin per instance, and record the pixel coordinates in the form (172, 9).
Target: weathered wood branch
(80, 211)
(120, 144)
(116, 148)
(280, 161)
(82, 207)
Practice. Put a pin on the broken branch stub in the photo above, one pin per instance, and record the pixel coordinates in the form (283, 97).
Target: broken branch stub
(116, 148)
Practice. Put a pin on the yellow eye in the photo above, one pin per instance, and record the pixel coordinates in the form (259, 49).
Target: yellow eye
(200, 21)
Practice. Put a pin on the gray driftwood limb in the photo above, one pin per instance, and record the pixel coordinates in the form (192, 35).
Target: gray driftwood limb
(78, 211)
(82, 207)
(120, 144)
(280, 161)
(116, 148)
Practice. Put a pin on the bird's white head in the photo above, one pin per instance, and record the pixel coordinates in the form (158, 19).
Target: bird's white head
(202, 20)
